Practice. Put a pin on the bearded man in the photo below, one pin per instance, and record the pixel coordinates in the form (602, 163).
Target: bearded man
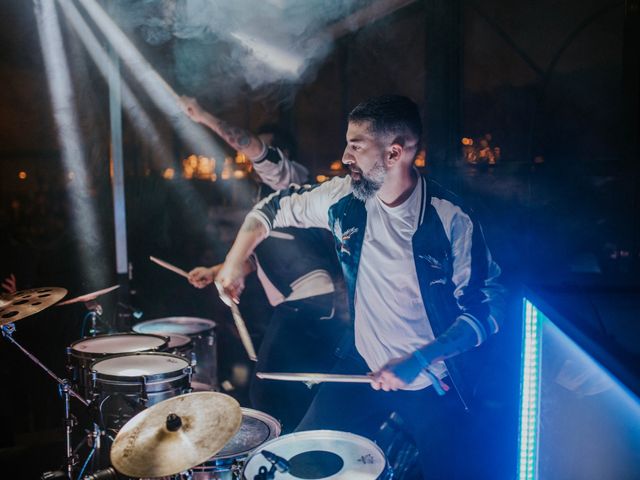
(420, 282)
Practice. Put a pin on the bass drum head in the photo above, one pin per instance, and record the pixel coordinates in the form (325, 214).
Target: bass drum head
(118, 343)
(322, 454)
(180, 325)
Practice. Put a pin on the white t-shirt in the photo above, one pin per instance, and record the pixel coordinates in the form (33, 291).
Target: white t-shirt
(390, 318)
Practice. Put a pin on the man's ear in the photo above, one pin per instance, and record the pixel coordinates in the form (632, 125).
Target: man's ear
(394, 153)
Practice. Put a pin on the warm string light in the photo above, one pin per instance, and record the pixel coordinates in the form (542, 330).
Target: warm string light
(480, 151)
(204, 168)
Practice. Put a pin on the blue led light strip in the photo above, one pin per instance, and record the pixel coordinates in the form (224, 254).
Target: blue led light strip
(529, 394)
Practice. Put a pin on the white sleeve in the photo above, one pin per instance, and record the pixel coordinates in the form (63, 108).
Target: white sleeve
(279, 174)
(302, 207)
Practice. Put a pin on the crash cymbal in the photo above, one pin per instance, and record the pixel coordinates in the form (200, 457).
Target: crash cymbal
(175, 434)
(87, 297)
(24, 303)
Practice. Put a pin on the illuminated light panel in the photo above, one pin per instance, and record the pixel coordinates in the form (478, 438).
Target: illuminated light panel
(529, 394)
(322, 178)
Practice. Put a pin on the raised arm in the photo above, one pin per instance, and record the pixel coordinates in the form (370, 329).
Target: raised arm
(275, 168)
(237, 138)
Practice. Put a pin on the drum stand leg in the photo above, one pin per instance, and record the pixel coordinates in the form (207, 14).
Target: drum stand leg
(65, 388)
(93, 440)
(69, 423)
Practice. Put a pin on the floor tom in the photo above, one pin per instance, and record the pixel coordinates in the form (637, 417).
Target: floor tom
(256, 429)
(322, 454)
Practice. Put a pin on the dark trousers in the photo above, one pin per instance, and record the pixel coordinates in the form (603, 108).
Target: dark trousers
(298, 339)
(437, 425)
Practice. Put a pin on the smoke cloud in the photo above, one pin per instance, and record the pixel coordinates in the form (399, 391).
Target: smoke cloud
(254, 48)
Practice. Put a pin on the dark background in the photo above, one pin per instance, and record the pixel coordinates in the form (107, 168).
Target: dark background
(555, 84)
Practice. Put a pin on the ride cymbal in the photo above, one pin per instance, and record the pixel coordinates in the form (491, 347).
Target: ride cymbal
(24, 303)
(176, 434)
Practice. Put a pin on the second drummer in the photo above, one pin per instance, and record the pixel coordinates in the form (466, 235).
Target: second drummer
(297, 270)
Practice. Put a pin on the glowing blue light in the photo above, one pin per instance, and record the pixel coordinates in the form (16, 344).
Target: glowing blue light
(529, 394)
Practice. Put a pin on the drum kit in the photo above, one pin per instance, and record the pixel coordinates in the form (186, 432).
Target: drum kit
(148, 405)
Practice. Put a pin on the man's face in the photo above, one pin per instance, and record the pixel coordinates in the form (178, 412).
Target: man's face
(364, 156)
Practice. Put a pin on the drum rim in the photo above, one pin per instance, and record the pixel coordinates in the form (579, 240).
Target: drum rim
(148, 378)
(80, 354)
(179, 321)
(188, 343)
(253, 413)
(329, 435)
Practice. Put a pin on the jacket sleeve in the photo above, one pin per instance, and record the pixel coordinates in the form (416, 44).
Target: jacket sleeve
(479, 296)
(301, 207)
(277, 170)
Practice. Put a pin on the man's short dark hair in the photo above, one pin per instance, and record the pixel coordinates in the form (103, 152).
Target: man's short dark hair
(390, 114)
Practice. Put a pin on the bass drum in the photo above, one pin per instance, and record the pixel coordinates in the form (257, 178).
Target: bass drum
(201, 331)
(127, 384)
(84, 352)
(323, 454)
(256, 429)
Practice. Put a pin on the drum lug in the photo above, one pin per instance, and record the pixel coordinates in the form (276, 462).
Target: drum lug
(144, 398)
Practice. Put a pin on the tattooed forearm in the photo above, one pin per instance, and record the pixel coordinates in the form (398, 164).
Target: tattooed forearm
(234, 136)
(458, 338)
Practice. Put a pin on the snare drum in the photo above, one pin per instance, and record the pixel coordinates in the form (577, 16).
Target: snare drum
(82, 353)
(201, 331)
(256, 428)
(322, 454)
(126, 384)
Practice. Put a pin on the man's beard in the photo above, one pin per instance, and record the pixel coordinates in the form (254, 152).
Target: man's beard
(367, 185)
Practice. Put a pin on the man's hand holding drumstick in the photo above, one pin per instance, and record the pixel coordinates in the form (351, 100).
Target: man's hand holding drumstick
(200, 277)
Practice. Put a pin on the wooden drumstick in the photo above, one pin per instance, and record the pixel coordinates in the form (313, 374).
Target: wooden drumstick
(245, 338)
(314, 377)
(168, 266)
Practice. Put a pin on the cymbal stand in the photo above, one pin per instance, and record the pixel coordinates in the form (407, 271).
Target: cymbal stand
(67, 392)
(94, 315)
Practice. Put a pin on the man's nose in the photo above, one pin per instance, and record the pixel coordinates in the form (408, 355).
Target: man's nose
(347, 158)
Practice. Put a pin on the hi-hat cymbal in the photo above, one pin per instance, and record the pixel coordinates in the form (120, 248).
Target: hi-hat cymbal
(87, 297)
(24, 303)
(176, 434)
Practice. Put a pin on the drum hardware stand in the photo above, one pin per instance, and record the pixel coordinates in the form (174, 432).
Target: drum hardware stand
(278, 464)
(65, 389)
(93, 439)
(94, 315)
